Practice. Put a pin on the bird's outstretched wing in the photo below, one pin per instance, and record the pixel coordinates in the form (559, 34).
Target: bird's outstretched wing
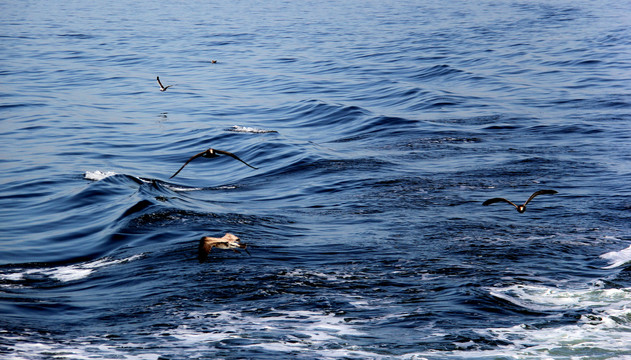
(540, 192)
(203, 249)
(494, 200)
(234, 157)
(188, 161)
(162, 87)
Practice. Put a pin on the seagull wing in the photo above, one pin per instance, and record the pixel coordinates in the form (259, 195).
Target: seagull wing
(233, 156)
(159, 83)
(188, 161)
(203, 249)
(494, 200)
(540, 192)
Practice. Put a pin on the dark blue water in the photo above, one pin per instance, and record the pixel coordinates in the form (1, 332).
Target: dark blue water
(378, 130)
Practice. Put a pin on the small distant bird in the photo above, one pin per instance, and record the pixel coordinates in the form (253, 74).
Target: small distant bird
(211, 153)
(213, 61)
(520, 208)
(227, 242)
(162, 87)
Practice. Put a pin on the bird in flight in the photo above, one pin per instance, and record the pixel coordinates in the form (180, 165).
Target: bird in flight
(520, 208)
(227, 242)
(211, 153)
(162, 87)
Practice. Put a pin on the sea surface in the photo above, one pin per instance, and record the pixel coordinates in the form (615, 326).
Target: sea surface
(378, 129)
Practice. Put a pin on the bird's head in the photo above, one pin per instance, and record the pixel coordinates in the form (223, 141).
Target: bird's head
(521, 209)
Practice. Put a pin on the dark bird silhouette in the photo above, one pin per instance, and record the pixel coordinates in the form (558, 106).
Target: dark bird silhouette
(211, 153)
(520, 208)
(162, 87)
(227, 242)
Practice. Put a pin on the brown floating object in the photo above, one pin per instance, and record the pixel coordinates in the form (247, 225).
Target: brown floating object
(520, 208)
(211, 153)
(227, 242)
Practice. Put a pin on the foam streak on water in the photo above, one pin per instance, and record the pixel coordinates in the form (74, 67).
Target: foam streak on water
(377, 128)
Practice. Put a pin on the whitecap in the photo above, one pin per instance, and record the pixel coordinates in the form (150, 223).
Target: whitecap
(80, 271)
(309, 329)
(98, 175)
(544, 298)
(66, 273)
(602, 330)
(603, 324)
(245, 129)
(617, 258)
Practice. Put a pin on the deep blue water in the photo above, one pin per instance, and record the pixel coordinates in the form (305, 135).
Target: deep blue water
(378, 130)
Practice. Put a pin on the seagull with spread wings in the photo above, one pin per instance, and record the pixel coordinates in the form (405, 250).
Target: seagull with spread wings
(211, 153)
(520, 208)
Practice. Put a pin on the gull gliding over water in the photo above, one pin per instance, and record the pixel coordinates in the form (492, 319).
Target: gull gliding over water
(520, 208)
(211, 153)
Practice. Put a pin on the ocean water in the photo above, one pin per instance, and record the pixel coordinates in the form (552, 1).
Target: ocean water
(378, 130)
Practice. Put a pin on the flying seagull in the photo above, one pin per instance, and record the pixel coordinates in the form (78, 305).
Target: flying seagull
(162, 87)
(227, 242)
(520, 208)
(211, 153)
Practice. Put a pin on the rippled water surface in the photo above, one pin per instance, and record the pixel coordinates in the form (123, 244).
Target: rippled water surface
(378, 130)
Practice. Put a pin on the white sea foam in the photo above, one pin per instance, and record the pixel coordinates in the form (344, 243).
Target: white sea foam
(542, 298)
(605, 324)
(98, 175)
(68, 272)
(80, 271)
(23, 348)
(617, 258)
(287, 331)
(603, 330)
(245, 129)
(180, 188)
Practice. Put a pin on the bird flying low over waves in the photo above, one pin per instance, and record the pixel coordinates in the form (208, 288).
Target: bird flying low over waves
(162, 87)
(520, 208)
(227, 242)
(211, 153)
